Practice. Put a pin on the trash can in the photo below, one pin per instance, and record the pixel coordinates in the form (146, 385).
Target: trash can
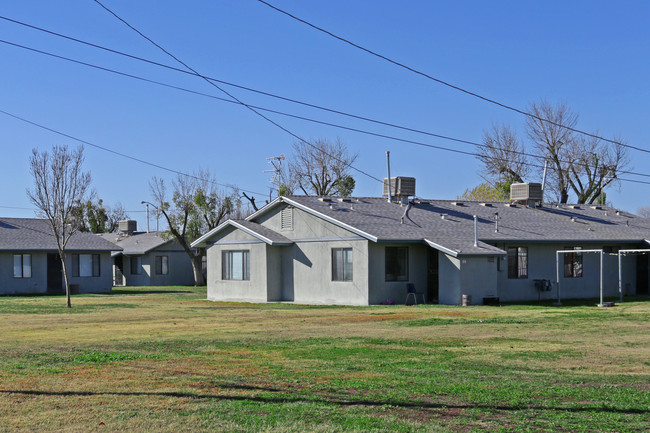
(466, 300)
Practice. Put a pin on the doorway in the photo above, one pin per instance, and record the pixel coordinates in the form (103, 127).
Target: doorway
(433, 279)
(642, 274)
(119, 271)
(54, 274)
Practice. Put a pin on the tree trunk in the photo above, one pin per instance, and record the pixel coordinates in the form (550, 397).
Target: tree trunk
(197, 267)
(65, 279)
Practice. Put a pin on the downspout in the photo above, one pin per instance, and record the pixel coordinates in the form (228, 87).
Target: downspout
(401, 221)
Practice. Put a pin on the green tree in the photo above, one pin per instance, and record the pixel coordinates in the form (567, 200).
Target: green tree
(486, 193)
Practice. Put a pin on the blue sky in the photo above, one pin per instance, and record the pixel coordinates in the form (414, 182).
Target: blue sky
(593, 55)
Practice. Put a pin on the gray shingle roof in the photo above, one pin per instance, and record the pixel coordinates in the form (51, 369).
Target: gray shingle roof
(137, 243)
(450, 224)
(30, 234)
(265, 232)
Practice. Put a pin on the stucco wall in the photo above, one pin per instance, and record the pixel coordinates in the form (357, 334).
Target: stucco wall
(449, 279)
(180, 268)
(36, 284)
(478, 278)
(382, 290)
(38, 281)
(542, 265)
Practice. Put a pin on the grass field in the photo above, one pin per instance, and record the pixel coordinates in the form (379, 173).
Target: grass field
(164, 359)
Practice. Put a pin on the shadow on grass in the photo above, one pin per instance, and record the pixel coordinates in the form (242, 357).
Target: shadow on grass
(344, 403)
(579, 302)
(146, 292)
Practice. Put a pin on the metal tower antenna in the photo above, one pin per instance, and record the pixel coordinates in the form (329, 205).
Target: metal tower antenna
(276, 179)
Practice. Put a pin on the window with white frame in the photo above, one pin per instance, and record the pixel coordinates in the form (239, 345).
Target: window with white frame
(22, 265)
(341, 264)
(162, 265)
(235, 265)
(85, 265)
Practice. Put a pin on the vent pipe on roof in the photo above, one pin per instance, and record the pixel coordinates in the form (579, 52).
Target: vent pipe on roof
(544, 180)
(475, 231)
(390, 198)
(496, 222)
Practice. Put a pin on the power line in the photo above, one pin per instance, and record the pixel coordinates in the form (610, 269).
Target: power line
(235, 98)
(445, 83)
(211, 81)
(319, 121)
(444, 137)
(133, 158)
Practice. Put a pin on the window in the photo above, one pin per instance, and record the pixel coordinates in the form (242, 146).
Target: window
(341, 264)
(22, 266)
(397, 263)
(573, 263)
(518, 262)
(235, 265)
(136, 265)
(85, 265)
(162, 265)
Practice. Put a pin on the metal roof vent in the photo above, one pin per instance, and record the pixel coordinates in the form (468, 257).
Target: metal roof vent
(530, 193)
(325, 199)
(400, 187)
(127, 226)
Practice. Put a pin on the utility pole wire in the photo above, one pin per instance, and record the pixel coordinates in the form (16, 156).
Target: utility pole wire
(227, 93)
(342, 113)
(445, 83)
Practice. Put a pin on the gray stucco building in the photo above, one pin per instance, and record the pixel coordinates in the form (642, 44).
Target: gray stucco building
(149, 259)
(30, 264)
(363, 251)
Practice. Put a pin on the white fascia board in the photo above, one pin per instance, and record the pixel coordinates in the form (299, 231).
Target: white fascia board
(441, 248)
(264, 209)
(330, 219)
(238, 226)
(646, 241)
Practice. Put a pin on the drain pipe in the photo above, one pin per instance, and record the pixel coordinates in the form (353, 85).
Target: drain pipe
(401, 221)
(390, 194)
(475, 231)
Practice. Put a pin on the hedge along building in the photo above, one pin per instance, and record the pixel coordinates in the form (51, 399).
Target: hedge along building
(148, 258)
(30, 263)
(361, 251)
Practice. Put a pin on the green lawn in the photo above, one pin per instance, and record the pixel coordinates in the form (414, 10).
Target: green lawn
(164, 359)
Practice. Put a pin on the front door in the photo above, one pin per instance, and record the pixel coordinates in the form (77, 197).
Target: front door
(432, 276)
(642, 274)
(54, 274)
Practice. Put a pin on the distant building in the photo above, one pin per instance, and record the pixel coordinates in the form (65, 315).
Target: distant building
(148, 259)
(30, 263)
(363, 251)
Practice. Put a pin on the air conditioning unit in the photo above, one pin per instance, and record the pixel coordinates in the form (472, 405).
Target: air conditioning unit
(526, 192)
(400, 186)
(128, 226)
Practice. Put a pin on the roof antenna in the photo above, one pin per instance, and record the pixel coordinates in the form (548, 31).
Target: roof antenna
(390, 194)
(543, 180)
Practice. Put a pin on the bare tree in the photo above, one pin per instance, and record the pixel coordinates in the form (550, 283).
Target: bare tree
(550, 135)
(196, 207)
(503, 156)
(59, 185)
(643, 211)
(594, 166)
(320, 168)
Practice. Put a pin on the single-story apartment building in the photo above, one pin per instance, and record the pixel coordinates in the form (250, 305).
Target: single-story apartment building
(148, 258)
(30, 263)
(365, 250)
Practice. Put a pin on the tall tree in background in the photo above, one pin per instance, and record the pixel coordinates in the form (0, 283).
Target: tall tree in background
(322, 168)
(196, 207)
(92, 216)
(551, 138)
(59, 185)
(503, 158)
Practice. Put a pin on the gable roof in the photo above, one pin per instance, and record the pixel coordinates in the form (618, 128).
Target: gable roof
(256, 230)
(31, 234)
(449, 225)
(137, 243)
